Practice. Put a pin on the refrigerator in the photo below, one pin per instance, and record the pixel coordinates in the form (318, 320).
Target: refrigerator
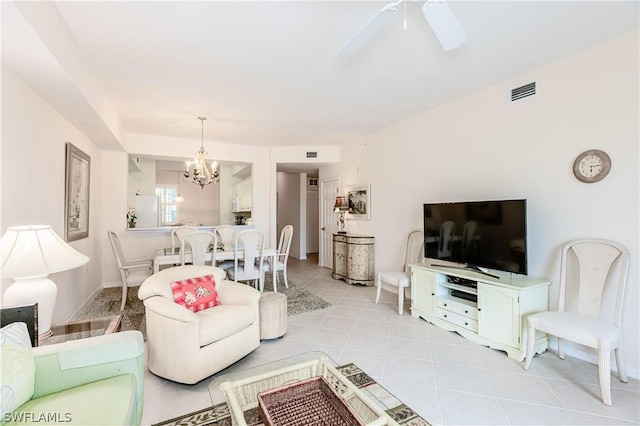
(148, 211)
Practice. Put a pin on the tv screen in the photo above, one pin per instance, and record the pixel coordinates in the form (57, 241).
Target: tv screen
(490, 234)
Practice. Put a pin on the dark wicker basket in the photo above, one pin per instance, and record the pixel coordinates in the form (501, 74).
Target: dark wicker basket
(310, 402)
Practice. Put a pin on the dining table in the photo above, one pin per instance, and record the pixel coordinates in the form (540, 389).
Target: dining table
(172, 256)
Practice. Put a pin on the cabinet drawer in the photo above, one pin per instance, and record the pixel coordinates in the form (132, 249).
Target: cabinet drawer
(462, 321)
(462, 307)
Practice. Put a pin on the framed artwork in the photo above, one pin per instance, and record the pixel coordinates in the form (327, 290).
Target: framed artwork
(359, 199)
(76, 206)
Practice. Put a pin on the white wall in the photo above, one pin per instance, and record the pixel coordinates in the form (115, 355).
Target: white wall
(32, 182)
(482, 147)
(289, 212)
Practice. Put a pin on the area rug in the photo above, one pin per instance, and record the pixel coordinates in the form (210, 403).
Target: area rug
(107, 303)
(219, 415)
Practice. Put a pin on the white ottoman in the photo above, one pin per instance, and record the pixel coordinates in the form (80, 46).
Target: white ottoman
(273, 315)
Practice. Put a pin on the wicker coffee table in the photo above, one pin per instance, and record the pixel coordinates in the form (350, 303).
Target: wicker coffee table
(373, 405)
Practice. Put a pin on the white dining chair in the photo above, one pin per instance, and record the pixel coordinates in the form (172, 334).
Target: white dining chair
(178, 233)
(592, 273)
(248, 258)
(200, 243)
(132, 272)
(279, 261)
(226, 235)
(399, 281)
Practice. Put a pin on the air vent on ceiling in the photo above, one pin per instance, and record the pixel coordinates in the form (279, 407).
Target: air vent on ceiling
(523, 91)
(312, 154)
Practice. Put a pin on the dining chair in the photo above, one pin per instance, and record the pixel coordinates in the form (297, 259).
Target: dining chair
(279, 262)
(226, 235)
(132, 272)
(593, 278)
(399, 281)
(178, 233)
(199, 242)
(248, 258)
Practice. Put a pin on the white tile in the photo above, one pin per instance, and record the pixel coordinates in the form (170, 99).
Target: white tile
(368, 342)
(460, 408)
(463, 379)
(520, 413)
(523, 388)
(405, 370)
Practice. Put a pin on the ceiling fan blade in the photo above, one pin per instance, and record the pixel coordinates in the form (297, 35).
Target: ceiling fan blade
(368, 30)
(444, 24)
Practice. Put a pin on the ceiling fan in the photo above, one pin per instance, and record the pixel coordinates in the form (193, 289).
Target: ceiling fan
(443, 22)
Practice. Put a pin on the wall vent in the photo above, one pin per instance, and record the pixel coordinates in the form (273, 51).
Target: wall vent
(312, 154)
(523, 91)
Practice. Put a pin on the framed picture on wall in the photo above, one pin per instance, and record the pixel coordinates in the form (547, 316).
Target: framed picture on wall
(76, 206)
(359, 199)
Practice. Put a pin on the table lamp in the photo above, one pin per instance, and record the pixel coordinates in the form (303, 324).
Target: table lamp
(28, 254)
(342, 206)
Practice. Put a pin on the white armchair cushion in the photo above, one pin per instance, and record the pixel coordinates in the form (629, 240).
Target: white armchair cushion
(18, 366)
(224, 321)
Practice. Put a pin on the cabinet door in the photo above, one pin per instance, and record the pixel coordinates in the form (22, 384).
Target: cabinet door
(423, 285)
(499, 314)
(340, 258)
(359, 264)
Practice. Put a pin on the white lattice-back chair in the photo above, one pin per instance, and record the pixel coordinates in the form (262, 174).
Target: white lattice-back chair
(591, 315)
(198, 244)
(132, 272)
(399, 281)
(279, 262)
(248, 258)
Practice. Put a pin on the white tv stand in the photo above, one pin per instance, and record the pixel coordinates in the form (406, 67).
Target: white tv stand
(495, 315)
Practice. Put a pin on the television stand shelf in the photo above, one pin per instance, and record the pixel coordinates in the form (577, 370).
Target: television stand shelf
(492, 314)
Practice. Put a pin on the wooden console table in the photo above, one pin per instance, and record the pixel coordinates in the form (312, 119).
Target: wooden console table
(353, 259)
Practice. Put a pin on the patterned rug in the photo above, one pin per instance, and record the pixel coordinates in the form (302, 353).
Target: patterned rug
(107, 303)
(219, 415)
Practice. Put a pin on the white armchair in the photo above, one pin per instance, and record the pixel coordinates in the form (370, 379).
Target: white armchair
(187, 347)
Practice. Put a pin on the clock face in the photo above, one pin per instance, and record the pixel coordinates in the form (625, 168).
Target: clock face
(591, 166)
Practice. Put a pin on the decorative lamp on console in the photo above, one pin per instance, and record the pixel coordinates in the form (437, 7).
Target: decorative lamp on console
(28, 254)
(342, 206)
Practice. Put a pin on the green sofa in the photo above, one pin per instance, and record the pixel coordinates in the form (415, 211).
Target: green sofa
(93, 381)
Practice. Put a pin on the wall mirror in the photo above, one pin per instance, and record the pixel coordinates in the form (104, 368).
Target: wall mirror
(159, 196)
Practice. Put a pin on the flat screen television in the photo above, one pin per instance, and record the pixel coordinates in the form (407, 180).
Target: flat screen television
(478, 234)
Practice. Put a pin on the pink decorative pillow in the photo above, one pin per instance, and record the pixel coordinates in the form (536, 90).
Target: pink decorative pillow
(196, 294)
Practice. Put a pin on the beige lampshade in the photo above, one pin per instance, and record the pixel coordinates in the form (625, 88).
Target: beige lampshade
(32, 251)
(341, 204)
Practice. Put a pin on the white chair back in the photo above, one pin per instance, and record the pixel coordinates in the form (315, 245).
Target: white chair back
(178, 233)
(414, 250)
(226, 235)
(284, 245)
(249, 265)
(198, 242)
(596, 278)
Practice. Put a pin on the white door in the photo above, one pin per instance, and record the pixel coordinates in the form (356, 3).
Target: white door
(329, 189)
(313, 221)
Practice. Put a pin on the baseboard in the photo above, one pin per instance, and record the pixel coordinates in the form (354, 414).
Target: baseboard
(84, 305)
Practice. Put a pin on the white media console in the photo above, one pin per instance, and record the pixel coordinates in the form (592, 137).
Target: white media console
(486, 310)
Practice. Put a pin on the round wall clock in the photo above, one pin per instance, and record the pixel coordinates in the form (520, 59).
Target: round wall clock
(592, 166)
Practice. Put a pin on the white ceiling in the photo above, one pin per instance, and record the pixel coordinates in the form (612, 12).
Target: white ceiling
(267, 73)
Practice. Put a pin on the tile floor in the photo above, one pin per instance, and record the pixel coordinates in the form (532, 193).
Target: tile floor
(445, 378)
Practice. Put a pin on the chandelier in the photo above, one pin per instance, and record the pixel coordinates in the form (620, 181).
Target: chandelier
(201, 174)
